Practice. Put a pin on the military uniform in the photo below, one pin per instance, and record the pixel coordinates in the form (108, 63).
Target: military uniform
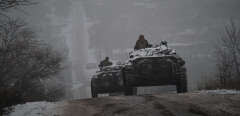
(141, 43)
(105, 62)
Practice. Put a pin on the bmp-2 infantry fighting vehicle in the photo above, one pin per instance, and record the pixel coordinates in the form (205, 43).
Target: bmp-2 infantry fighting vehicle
(154, 66)
(107, 80)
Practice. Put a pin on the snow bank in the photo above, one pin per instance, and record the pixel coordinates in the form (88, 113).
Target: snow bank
(157, 51)
(36, 109)
(220, 91)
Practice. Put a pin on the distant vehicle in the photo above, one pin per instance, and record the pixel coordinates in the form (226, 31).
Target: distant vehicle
(108, 80)
(154, 67)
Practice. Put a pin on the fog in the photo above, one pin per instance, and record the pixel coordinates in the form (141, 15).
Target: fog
(89, 30)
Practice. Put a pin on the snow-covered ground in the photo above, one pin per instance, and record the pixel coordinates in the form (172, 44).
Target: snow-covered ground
(37, 109)
(219, 91)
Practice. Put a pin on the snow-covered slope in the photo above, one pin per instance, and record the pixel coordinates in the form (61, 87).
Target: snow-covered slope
(37, 109)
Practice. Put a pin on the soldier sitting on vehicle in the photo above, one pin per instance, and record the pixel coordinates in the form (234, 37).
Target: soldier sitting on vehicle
(141, 43)
(104, 63)
(164, 42)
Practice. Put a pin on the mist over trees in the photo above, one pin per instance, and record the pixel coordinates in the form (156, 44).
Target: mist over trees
(227, 59)
(25, 61)
(228, 56)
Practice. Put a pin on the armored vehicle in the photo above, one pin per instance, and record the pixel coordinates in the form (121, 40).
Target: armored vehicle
(154, 67)
(107, 80)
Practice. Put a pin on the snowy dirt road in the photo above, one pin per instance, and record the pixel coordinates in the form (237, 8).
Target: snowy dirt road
(189, 104)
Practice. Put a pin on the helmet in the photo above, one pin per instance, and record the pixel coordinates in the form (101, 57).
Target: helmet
(163, 42)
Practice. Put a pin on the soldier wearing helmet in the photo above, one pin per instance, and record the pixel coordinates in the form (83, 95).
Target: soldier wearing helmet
(141, 43)
(105, 62)
(164, 42)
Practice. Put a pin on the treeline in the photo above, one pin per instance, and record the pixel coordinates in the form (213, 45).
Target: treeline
(25, 61)
(227, 53)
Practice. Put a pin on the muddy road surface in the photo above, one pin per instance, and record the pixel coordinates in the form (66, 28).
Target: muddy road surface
(189, 104)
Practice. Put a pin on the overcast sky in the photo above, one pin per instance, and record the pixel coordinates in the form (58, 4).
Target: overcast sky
(178, 21)
(118, 23)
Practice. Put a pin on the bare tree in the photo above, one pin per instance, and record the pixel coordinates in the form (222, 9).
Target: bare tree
(7, 4)
(228, 54)
(24, 62)
(23, 56)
